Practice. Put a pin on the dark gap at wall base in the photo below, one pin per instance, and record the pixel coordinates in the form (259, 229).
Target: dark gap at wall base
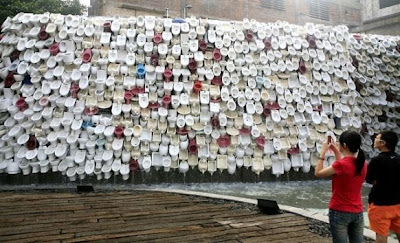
(158, 177)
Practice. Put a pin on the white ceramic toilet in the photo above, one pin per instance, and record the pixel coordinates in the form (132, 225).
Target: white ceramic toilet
(71, 173)
(106, 169)
(183, 167)
(98, 173)
(297, 161)
(257, 165)
(231, 167)
(54, 165)
(202, 165)
(125, 171)
(63, 166)
(156, 160)
(116, 166)
(80, 171)
(13, 167)
(222, 162)
(80, 157)
(44, 166)
(166, 162)
(146, 163)
(206, 75)
(277, 168)
(25, 167)
(89, 167)
(212, 166)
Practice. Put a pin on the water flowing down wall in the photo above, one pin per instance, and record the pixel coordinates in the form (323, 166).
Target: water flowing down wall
(101, 97)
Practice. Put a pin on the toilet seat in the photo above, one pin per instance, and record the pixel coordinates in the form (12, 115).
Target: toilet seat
(174, 150)
(146, 163)
(108, 155)
(61, 150)
(124, 170)
(116, 109)
(31, 154)
(143, 100)
(21, 154)
(80, 157)
(89, 167)
(117, 144)
(76, 124)
(106, 169)
(117, 166)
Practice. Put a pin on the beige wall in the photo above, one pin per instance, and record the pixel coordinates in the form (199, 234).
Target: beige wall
(384, 21)
(371, 10)
(295, 11)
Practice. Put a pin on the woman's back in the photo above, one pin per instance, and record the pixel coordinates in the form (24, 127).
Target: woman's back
(346, 186)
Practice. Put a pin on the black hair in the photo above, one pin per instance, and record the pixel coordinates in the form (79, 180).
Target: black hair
(353, 142)
(390, 138)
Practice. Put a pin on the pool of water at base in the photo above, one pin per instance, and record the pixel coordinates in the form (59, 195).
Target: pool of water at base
(309, 195)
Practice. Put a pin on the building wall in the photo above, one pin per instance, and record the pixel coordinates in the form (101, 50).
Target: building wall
(376, 20)
(331, 12)
(372, 11)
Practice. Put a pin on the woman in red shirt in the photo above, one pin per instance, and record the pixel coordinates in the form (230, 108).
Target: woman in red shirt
(348, 174)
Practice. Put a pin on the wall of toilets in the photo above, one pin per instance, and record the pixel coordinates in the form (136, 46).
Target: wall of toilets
(96, 96)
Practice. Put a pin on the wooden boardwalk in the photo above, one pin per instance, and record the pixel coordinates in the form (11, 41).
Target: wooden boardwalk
(141, 216)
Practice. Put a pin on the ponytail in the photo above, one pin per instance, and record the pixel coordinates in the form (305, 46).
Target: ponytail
(353, 142)
(360, 161)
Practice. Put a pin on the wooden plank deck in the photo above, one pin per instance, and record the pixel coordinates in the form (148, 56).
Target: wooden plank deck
(138, 216)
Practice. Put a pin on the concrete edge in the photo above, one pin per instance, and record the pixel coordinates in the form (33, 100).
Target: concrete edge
(317, 216)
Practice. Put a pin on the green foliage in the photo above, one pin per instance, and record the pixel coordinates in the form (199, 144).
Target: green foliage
(9, 8)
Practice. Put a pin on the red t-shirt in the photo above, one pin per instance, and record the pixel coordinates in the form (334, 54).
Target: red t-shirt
(346, 186)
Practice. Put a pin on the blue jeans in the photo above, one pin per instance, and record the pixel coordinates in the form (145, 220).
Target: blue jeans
(346, 227)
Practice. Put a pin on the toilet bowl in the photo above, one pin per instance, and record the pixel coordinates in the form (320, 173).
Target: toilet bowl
(146, 163)
(287, 165)
(80, 157)
(183, 167)
(126, 156)
(87, 56)
(125, 171)
(134, 165)
(54, 164)
(306, 166)
(112, 56)
(166, 163)
(89, 167)
(143, 100)
(222, 162)
(202, 166)
(15, 131)
(231, 167)
(116, 166)
(116, 109)
(156, 160)
(106, 169)
(25, 167)
(107, 156)
(212, 166)
(296, 161)
(61, 150)
(80, 171)
(71, 173)
(277, 166)
(41, 155)
(257, 165)
(62, 166)
(13, 167)
(3, 166)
